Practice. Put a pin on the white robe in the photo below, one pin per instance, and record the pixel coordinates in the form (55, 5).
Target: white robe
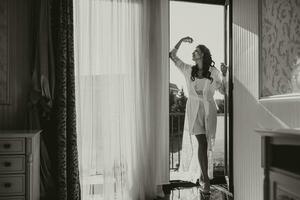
(189, 163)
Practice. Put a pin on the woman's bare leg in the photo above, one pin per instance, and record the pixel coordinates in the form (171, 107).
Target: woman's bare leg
(203, 160)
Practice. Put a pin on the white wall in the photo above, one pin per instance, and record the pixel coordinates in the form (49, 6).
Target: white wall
(249, 113)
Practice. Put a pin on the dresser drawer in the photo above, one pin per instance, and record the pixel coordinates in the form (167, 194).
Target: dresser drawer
(12, 164)
(12, 198)
(12, 146)
(12, 185)
(284, 194)
(284, 186)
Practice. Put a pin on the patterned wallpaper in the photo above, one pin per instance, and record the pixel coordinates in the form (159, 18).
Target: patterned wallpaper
(280, 55)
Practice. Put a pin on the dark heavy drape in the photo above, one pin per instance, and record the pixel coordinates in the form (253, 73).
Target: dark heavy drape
(64, 103)
(42, 92)
(52, 99)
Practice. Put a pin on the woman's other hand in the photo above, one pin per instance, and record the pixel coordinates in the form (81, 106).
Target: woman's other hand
(224, 69)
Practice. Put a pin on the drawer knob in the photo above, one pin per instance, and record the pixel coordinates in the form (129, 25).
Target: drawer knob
(7, 146)
(7, 164)
(7, 185)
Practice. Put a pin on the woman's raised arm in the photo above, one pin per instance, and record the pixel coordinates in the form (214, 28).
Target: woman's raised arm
(173, 54)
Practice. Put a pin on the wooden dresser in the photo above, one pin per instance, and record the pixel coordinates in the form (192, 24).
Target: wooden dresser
(19, 165)
(281, 163)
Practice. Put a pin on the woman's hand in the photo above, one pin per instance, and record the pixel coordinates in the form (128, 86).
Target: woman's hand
(187, 39)
(224, 69)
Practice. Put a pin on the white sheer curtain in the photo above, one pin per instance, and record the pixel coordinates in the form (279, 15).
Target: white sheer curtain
(122, 79)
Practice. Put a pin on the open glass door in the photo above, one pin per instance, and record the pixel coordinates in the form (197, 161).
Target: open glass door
(222, 164)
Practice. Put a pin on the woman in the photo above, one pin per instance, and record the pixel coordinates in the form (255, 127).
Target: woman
(202, 80)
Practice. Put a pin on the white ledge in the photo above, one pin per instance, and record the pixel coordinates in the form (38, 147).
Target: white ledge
(280, 132)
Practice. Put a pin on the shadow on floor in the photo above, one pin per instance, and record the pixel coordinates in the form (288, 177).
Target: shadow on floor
(180, 190)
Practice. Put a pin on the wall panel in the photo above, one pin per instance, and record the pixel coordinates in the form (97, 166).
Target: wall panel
(14, 114)
(249, 112)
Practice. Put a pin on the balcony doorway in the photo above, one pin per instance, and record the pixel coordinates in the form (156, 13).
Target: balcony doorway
(208, 23)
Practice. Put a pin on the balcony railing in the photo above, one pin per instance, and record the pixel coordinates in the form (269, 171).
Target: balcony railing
(176, 133)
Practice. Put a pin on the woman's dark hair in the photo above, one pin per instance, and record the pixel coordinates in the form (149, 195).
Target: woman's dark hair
(207, 63)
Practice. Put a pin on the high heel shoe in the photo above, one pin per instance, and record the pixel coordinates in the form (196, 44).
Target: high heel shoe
(205, 196)
(206, 187)
(205, 190)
